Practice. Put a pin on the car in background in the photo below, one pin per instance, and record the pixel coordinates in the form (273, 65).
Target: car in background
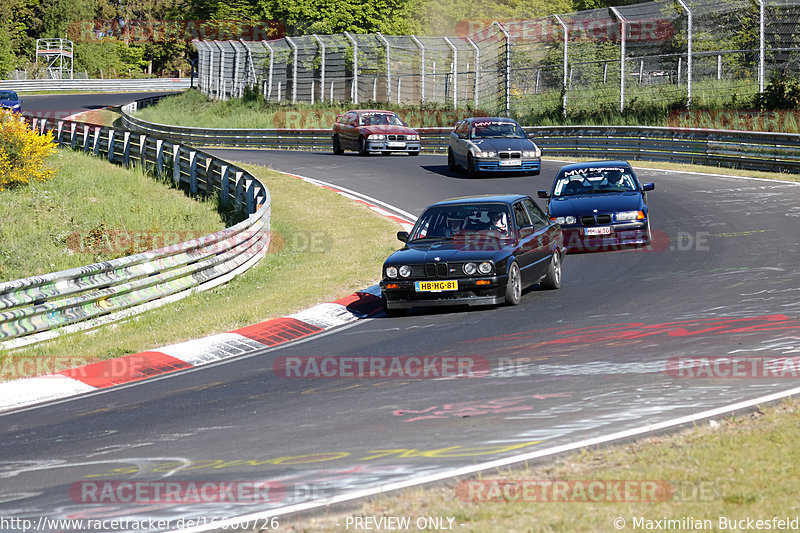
(10, 100)
(600, 205)
(373, 131)
(492, 144)
(478, 250)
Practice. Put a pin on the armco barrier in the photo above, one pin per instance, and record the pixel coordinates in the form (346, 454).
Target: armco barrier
(114, 85)
(776, 152)
(40, 307)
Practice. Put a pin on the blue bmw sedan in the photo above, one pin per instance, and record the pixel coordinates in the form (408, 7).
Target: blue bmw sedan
(600, 206)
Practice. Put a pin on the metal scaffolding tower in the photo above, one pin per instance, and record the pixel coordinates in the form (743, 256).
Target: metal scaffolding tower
(56, 55)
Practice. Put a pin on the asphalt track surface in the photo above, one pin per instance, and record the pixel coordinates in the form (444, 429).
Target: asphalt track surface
(581, 362)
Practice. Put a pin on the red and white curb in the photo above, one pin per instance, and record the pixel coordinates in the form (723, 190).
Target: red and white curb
(191, 354)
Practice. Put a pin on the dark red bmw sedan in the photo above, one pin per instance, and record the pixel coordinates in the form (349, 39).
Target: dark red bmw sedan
(373, 131)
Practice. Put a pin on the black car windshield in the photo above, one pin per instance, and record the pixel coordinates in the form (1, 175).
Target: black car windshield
(595, 180)
(488, 129)
(451, 221)
(379, 119)
(8, 95)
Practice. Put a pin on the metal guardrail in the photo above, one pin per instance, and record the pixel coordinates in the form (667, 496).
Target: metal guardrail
(40, 307)
(113, 85)
(775, 152)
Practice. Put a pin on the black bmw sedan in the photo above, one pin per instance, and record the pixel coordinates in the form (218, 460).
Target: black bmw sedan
(479, 250)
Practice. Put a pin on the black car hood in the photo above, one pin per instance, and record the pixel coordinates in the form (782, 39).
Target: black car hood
(603, 203)
(458, 249)
(503, 144)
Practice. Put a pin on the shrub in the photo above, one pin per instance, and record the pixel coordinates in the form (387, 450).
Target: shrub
(23, 153)
(782, 92)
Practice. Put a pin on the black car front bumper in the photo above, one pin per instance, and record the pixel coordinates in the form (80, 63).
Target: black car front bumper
(469, 293)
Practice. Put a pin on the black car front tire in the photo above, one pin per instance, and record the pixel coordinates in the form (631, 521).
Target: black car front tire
(362, 147)
(552, 279)
(514, 285)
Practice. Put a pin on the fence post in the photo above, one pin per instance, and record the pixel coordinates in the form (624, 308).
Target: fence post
(294, 67)
(239, 191)
(223, 184)
(176, 163)
(719, 67)
(96, 142)
(507, 80)
(421, 67)
(761, 35)
(268, 91)
(111, 145)
(143, 151)
(72, 127)
(86, 138)
(477, 69)
(623, 36)
(641, 70)
(160, 156)
(688, 53)
(355, 66)
(60, 131)
(192, 172)
(455, 71)
(321, 48)
(388, 66)
(126, 147)
(564, 86)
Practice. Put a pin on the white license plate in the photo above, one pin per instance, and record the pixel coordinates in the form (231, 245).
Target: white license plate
(602, 230)
(510, 162)
(396, 144)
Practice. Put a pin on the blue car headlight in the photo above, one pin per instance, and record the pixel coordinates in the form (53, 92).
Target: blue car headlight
(624, 216)
(565, 220)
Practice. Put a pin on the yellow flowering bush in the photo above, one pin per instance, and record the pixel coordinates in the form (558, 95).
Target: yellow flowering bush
(22, 153)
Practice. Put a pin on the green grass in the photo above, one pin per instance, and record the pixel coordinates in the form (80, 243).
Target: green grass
(317, 262)
(747, 466)
(88, 197)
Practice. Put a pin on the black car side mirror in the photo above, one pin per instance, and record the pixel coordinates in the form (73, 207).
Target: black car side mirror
(402, 236)
(648, 186)
(542, 194)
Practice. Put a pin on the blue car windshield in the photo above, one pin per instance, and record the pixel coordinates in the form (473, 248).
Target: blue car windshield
(491, 129)
(597, 180)
(8, 95)
(451, 221)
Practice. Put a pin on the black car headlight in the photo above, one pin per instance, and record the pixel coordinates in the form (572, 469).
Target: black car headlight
(485, 268)
(405, 271)
(391, 272)
(470, 269)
